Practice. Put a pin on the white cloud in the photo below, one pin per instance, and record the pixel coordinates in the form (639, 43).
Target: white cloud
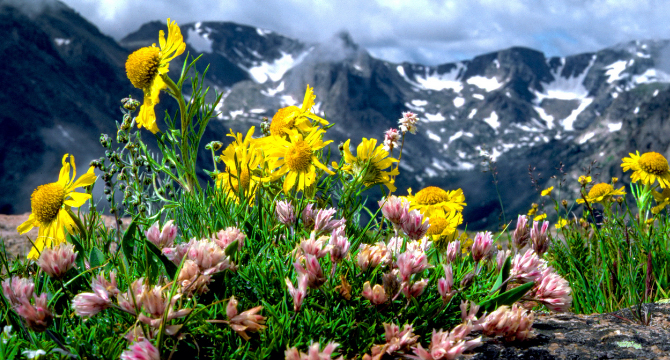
(425, 31)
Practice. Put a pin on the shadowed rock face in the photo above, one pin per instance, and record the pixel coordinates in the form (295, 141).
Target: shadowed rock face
(521, 107)
(608, 336)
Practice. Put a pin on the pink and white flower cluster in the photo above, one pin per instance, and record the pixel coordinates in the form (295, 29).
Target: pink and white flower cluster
(313, 353)
(18, 292)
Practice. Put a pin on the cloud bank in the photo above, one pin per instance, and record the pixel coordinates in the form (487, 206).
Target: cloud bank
(422, 31)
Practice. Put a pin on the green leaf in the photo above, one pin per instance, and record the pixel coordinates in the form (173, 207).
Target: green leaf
(232, 248)
(128, 241)
(170, 267)
(506, 298)
(504, 274)
(96, 257)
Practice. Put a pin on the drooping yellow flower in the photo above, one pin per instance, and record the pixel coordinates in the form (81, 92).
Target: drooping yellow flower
(433, 201)
(369, 163)
(50, 203)
(601, 193)
(293, 117)
(242, 159)
(144, 67)
(547, 191)
(533, 209)
(662, 200)
(540, 217)
(648, 168)
(296, 158)
(584, 179)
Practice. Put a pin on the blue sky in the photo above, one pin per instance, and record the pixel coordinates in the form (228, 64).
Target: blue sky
(422, 31)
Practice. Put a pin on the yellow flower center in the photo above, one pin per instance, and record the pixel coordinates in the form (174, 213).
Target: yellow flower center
(299, 156)
(437, 225)
(600, 190)
(46, 201)
(431, 195)
(653, 163)
(142, 66)
(283, 121)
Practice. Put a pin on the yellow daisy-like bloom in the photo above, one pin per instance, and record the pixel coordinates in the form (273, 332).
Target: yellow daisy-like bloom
(443, 229)
(296, 157)
(602, 193)
(561, 223)
(369, 163)
(144, 67)
(648, 168)
(242, 158)
(293, 117)
(547, 191)
(50, 203)
(433, 201)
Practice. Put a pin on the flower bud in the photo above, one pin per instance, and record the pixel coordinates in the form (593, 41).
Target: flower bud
(481, 246)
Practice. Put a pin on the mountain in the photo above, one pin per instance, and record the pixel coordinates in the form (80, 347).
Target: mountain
(62, 81)
(516, 106)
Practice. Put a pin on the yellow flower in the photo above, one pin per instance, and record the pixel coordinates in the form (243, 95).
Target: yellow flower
(444, 225)
(602, 193)
(662, 200)
(242, 158)
(50, 203)
(296, 158)
(293, 117)
(648, 168)
(369, 163)
(144, 67)
(584, 179)
(547, 191)
(533, 209)
(433, 201)
(614, 180)
(540, 217)
(561, 223)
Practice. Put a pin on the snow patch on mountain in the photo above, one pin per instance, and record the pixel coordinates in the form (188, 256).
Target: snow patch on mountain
(562, 88)
(569, 121)
(548, 119)
(198, 38)
(614, 71)
(492, 120)
(459, 101)
(262, 71)
(273, 92)
(433, 81)
(433, 136)
(433, 117)
(615, 126)
(485, 83)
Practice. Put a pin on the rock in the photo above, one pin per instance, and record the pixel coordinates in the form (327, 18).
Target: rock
(616, 335)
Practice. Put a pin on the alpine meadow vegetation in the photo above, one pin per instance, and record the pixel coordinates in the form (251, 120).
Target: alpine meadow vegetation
(272, 258)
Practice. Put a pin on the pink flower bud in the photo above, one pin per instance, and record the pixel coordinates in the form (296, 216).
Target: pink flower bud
(371, 256)
(481, 246)
(415, 290)
(413, 225)
(521, 234)
(209, 257)
(285, 212)
(408, 122)
(444, 285)
(164, 238)
(501, 257)
(89, 304)
(37, 317)
(248, 320)
(447, 345)
(16, 288)
(540, 241)
(527, 268)
(141, 350)
(308, 215)
(339, 245)
(177, 253)
(376, 294)
(391, 139)
(512, 323)
(553, 291)
(324, 223)
(313, 270)
(191, 280)
(297, 294)
(411, 262)
(57, 261)
(314, 246)
(453, 251)
(226, 237)
(313, 353)
(394, 208)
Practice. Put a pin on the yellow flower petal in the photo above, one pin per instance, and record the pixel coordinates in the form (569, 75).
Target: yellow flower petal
(27, 225)
(77, 199)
